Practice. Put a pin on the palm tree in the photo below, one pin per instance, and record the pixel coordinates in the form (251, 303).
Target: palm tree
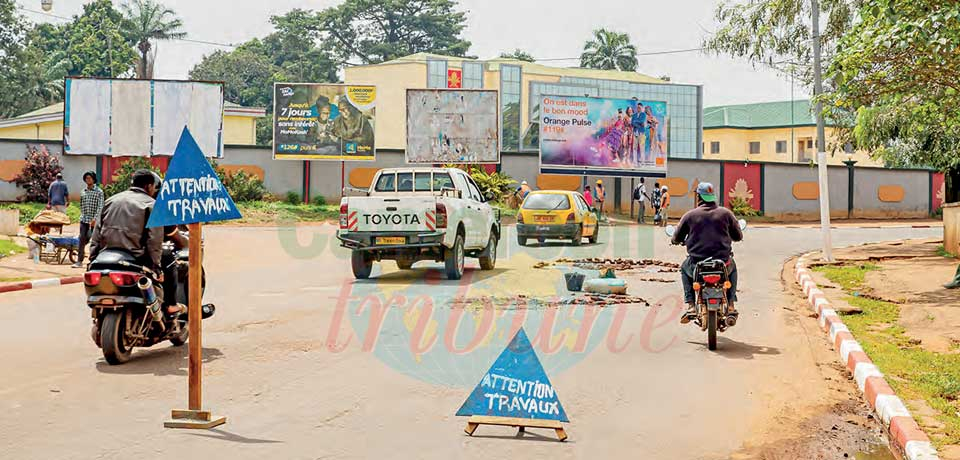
(609, 50)
(146, 20)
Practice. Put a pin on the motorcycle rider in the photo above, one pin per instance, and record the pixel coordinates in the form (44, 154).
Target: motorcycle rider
(123, 225)
(708, 231)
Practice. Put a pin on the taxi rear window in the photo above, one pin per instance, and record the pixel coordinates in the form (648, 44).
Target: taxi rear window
(546, 202)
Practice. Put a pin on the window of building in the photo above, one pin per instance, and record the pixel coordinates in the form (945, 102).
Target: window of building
(473, 75)
(510, 107)
(781, 146)
(754, 148)
(436, 73)
(715, 147)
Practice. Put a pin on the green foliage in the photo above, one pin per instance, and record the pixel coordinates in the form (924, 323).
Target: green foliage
(498, 184)
(244, 187)
(30, 76)
(8, 248)
(609, 50)
(29, 210)
(742, 208)
(146, 20)
(898, 69)
(35, 178)
(778, 32)
(123, 177)
(849, 277)
(374, 31)
(292, 198)
(97, 45)
(318, 200)
(519, 55)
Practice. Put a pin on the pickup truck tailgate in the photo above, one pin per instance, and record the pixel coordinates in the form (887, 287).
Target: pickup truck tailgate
(386, 214)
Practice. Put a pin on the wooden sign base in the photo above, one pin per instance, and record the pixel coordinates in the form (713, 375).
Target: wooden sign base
(520, 423)
(194, 419)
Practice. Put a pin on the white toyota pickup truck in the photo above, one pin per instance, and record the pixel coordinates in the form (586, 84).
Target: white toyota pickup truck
(413, 214)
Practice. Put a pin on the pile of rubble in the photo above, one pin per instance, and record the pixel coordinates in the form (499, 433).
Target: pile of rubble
(618, 264)
(521, 301)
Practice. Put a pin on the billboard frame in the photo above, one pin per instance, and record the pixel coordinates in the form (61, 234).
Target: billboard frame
(317, 157)
(65, 121)
(406, 128)
(590, 170)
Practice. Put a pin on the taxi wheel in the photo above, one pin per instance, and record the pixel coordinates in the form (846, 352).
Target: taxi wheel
(578, 237)
(521, 240)
(593, 238)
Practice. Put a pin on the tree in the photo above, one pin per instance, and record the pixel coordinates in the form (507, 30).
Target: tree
(247, 72)
(374, 31)
(519, 55)
(609, 50)
(96, 44)
(778, 32)
(146, 20)
(898, 70)
(35, 178)
(294, 46)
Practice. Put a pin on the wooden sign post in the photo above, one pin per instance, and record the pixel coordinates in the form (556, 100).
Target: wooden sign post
(515, 392)
(192, 194)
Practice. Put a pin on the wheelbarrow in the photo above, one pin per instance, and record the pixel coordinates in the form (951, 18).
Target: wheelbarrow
(57, 249)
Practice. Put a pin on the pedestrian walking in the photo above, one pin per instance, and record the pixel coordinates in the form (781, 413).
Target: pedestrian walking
(588, 196)
(640, 196)
(58, 196)
(655, 202)
(524, 190)
(91, 204)
(599, 195)
(664, 205)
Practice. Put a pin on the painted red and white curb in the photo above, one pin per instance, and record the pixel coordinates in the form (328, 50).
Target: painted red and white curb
(33, 284)
(905, 433)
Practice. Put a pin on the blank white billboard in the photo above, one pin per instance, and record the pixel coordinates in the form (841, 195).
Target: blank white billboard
(141, 117)
(452, 126)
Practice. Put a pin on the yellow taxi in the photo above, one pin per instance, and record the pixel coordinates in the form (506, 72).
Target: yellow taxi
(556, 214)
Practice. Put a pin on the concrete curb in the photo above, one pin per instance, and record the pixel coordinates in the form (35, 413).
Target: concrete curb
(33, 284)
(905, 433)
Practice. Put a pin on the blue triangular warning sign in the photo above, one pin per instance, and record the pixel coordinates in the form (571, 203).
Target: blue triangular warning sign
(515, 386)
(191, 191)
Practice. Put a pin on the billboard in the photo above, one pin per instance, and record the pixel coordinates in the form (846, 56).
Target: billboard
(140, 117)
(320, 121)
(603, 136)
(452, 126)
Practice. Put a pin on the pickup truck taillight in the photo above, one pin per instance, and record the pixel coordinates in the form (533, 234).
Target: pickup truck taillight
(571, 218)
(344, 209)
(441, 215)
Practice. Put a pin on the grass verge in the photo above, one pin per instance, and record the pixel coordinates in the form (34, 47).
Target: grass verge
(29, 210)
(8, 247)
(913, 372)
(273, 212)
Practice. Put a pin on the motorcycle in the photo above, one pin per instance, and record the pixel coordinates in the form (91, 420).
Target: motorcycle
(126, 300)
(710, 286)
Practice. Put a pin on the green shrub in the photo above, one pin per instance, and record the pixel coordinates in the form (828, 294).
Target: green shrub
(498, 184)
(742, 208)
(245, 187)
(41, 169)
(319, 200)
(123, 178)
(292, 198)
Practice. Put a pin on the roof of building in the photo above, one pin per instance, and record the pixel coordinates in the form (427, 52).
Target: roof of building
(531, 68)
(54, 112)
(761, 115)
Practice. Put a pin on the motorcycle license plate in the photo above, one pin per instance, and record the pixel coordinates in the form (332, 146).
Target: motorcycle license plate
(713, 297)
(384, 240)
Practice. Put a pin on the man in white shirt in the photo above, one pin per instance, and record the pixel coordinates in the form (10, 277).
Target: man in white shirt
(640, 196)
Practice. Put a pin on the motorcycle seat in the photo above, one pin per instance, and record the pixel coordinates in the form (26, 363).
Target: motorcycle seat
(113, 259)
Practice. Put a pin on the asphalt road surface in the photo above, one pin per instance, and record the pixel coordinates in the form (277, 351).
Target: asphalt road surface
(306, 363)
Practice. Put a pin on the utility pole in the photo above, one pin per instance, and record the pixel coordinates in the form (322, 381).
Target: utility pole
(821, 137)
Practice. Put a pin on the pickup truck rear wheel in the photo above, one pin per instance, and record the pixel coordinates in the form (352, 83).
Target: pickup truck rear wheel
(489, 261)
(362, 264)
(453, 259)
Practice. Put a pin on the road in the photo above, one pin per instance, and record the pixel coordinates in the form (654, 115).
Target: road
(308, 364)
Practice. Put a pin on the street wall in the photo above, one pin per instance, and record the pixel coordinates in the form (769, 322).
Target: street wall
(781, 191)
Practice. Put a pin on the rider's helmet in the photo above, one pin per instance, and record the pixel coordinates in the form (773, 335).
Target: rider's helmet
(707, 192)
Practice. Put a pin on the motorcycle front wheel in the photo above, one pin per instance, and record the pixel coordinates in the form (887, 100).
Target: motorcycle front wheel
(712, 329)
(112, 331)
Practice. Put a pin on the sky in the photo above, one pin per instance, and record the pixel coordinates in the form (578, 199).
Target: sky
(548, 29)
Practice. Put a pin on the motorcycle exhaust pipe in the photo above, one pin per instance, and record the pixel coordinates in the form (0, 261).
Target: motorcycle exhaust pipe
(152, 301)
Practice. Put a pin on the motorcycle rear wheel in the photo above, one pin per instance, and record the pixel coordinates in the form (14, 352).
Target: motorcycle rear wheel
(112, 330)
(712, 329)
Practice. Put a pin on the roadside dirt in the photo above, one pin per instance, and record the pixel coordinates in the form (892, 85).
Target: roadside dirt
(832, 421)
